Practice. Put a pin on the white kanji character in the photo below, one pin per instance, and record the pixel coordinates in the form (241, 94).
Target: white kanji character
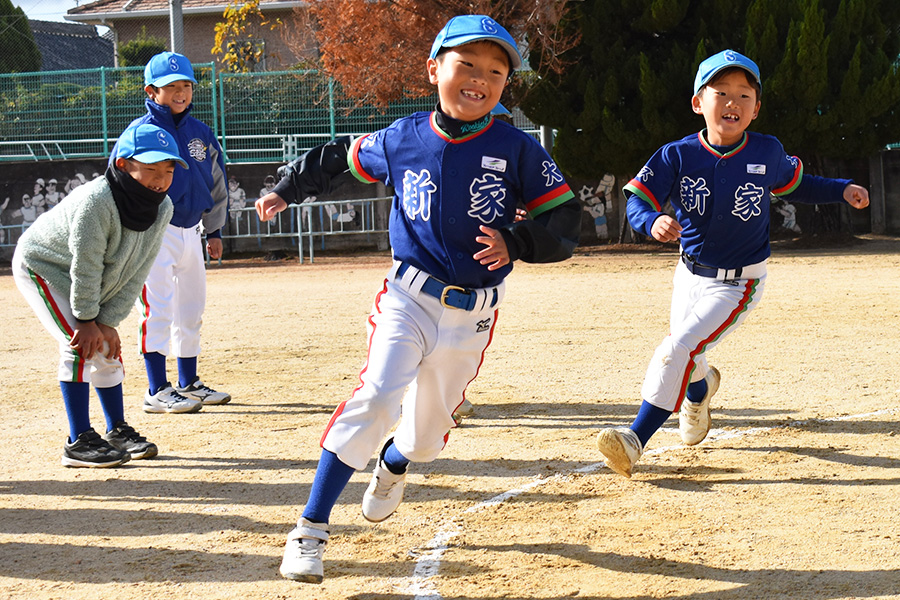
(487, 196)
(694, 194)
(747, 201)
(417, 191)
(551, 173)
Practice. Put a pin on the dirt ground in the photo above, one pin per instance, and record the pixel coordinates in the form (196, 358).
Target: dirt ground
(793, 495)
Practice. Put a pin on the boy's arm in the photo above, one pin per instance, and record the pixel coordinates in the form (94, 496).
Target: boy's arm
(550, 237)
(813, 189)
(214, 219)
(315, 172)
(645, 219)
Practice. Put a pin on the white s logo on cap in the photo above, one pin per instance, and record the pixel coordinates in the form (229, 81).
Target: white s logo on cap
(162, 139)
(173, 64)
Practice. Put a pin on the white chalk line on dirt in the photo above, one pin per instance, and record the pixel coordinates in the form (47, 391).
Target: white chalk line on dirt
(428, 562)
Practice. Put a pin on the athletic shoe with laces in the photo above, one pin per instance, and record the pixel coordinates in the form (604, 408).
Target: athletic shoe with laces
(694, 419)
(621, 447)
(385, 491)
(124, 437)
(205, 394)
(91, 450)
(167, 400)
(303, 552)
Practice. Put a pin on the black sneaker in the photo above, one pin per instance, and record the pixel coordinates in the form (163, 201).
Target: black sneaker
(124, 437)
(91, 450)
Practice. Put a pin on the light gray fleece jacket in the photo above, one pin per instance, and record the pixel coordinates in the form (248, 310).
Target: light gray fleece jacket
(82, 250)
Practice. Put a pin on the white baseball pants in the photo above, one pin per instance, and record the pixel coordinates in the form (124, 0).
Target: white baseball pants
(704, 310)
(54, 312)
(173, 297)
(422, 357)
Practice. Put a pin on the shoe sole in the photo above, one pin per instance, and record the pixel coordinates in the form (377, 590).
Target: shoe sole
(302, 577)
(148, 453)
(215, 402)
(161, 410)
(616, 456)
(68, 461)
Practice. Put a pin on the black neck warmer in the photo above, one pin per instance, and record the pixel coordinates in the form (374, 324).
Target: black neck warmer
(138, 206)
(456, 128)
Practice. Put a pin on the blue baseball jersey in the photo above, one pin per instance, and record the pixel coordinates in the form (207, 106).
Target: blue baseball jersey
(201, 191)
(722, 199)
(445, 188)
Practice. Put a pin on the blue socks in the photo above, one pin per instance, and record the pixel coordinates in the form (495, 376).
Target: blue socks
(156, 371)
(395, 462)
(76, 396)
(332, 476)
(187, 370)
(113, 405)
(648, 421)
(697, 390)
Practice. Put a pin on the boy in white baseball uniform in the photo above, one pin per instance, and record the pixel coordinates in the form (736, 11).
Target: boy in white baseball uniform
(719, 181)
(458, 175)
(80, 266)
(174, 296)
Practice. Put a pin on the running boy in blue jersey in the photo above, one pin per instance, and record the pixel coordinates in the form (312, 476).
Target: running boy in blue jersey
(719, 181)
(174, 296)
(458, 175)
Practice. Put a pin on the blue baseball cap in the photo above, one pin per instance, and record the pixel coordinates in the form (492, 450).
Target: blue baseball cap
(148, 144)
(472, 28)
(166, 67)
(724, 60)
(500, 110)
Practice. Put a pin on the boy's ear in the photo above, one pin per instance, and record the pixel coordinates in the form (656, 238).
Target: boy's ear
(695, 104)
(120, 163)
(431, 66)
(151, 91)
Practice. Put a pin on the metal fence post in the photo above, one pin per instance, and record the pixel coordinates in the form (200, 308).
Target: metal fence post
(104, 119)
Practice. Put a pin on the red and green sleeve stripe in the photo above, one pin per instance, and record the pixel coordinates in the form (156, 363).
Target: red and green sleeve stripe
(550, 200)
(793, 183)
(354, 164)
(643, 192)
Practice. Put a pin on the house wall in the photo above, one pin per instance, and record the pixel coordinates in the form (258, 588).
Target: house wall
(199, 37)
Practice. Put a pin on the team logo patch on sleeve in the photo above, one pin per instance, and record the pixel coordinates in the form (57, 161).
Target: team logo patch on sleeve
(493, 164)
(197, 149)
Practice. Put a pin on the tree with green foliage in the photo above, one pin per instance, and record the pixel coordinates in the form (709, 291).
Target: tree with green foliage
(831, 86)
(139, 51)
(18, 51)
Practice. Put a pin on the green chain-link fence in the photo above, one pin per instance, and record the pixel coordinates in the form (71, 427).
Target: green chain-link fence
(259, 117)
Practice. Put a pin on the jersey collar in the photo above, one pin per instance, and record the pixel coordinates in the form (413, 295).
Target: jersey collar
(741, 145)
(463, 138)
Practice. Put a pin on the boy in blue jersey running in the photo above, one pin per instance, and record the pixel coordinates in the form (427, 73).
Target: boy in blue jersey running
(458, 175)
(719, 182)
(172, 301)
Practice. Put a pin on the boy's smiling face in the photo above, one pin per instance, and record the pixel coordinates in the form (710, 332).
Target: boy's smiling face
(727, 104)
(470, 78)
(153, 176)
(176, 95)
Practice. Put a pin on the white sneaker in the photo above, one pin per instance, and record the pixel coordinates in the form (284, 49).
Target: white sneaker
(205, 394)
(385, 491)
(303, 552)
(694, 419)
(466, 409)
(167, 400)
(622, 449)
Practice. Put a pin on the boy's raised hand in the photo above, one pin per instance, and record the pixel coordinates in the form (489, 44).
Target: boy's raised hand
(666, 229)
(270, 205)
(856, 196)
(496, 254)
